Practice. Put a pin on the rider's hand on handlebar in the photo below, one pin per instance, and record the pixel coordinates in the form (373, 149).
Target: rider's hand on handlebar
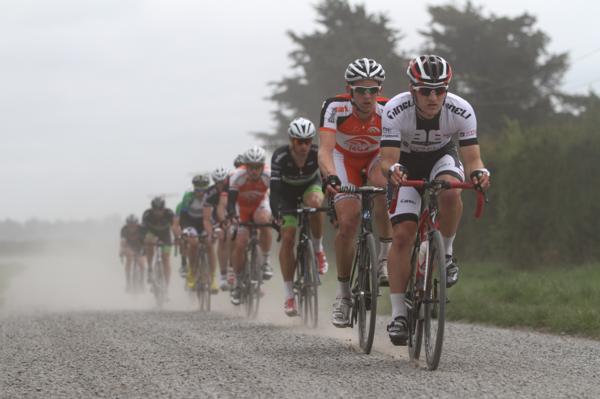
(331, 184)
(397, 173)
(481, 178)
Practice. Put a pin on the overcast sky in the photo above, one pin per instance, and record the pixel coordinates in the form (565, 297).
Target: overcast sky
(106, 102)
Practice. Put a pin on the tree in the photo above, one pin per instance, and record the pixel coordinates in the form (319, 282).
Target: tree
(501, 64)
(321, 57)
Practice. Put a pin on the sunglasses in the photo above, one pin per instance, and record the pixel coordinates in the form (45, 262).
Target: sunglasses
(254, 166)
(426, 91)
(366, 89)
(303, 141)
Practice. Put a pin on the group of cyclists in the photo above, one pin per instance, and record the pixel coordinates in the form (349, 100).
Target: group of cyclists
(364, 138)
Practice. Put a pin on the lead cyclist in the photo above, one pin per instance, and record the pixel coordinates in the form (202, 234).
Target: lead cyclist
(418, 128)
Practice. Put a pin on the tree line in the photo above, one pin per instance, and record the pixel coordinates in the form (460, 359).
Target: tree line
(539, 142)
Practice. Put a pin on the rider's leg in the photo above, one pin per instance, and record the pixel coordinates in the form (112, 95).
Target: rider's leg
(403, 239)
(128, 265)
(263, 215)
(287, 259)
(166, 258)
(382, 221)
(238, 254)
(222, 252)
(348, 215)
(314, 199)
(192, 256)
(451, 207)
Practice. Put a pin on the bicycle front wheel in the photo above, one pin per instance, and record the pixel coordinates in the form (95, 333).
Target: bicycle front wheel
(368, 291)
(435, 301)
(310, 308)
(203, 283)
(254, 283)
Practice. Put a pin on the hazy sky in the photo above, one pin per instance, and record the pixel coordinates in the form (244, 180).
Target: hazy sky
(106, 102)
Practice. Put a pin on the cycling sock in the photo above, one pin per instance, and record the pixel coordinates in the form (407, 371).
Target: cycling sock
(265, 257)
(317, 244)
(448, 241)
(288, 289)
(343, 289)
(384, 247)
(398, 305)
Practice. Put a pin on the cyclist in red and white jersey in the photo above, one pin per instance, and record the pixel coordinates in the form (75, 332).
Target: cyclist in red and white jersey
(249, 202)
(350, 131)
(418, 128)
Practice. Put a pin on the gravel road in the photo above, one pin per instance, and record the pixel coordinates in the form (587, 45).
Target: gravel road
(189, 354)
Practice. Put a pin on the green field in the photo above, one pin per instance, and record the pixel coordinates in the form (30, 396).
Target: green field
(557, 300)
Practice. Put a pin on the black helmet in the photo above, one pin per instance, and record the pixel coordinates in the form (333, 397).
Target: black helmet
(158, 203)
(200, 181)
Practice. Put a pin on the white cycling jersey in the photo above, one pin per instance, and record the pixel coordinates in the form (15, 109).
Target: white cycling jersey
(403, 129)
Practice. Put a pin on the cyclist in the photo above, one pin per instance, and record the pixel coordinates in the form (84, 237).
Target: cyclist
(418, 128)
(217, 196)
(247, 201)
(194, 220)
(158, 222)
(238, 163)
(350, 130)
(295, 175)
(132, 241)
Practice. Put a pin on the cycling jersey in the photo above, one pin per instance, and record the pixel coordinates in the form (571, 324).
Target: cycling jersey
(247, 195)
(426, 145)
(402, 128)
(159, 224)
(133, 236)
(194, 206)
(353, 136)
(288, 180)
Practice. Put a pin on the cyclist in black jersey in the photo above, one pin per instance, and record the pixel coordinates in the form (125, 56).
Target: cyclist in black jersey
(158, 222)
(217, 195)
(132, 241)
(295, 178)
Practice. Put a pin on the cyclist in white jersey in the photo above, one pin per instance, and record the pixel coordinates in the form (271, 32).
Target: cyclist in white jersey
(417, 143)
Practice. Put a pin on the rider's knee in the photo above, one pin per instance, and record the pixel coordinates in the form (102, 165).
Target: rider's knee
(403, 236)
(449, 198)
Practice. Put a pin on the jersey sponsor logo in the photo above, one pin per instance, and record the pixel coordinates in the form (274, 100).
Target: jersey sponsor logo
(466, 135)
(458, 111)
(252, 196)
(360, 143)
(391, 114)
(407, 201)
(374, 130)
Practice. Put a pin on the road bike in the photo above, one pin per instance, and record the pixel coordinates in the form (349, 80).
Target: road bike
(363, 280)
(306, 282)
(426, 297)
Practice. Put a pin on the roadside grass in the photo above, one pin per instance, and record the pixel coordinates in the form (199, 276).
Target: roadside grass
(558, 300)
(561, 300)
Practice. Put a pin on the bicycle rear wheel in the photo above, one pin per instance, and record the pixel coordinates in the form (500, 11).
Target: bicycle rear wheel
(310, 310)
(158, 283)
(368, 291)
(435, 301)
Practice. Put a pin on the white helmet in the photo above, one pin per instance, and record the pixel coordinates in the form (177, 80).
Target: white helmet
(219, 174)
(365, 68)
(255, 155)
(302, 128)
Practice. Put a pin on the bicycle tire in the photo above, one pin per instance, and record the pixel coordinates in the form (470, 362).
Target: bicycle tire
(158, 282)
(435, 301)
(202, 285)
(368, 291)
(299, 287)
(254, 283)
(415, 310)
(310, 286)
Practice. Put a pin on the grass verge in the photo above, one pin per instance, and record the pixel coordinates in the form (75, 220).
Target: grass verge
(557, 300)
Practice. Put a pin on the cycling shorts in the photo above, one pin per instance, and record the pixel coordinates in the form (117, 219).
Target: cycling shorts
(406, 202)
(289, 199)
(246, 213)
(349, 169)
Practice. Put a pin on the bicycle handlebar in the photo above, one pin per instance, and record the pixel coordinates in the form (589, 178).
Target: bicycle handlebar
(443, 184)
(304, 210)
(361, 190)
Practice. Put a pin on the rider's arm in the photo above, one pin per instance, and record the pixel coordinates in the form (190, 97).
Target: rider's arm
(326, 146)
(471, 157)
(391, 142)
(275, 185)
